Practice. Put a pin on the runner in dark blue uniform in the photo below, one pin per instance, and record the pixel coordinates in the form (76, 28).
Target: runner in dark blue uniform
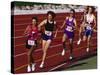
(82, 25)
(90, 24)
(47, 36)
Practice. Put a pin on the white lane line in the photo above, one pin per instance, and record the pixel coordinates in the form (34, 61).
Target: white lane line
(25, 36)
(24, 43)
(57, 67)
(18, 19)
(19, 45)
(22, 24)
(41, 49)
(19, 30)
(19, 37)
(37, 50)
(20, 54)
(49, 47)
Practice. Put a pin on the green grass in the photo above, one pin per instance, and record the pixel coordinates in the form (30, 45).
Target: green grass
(90, 63)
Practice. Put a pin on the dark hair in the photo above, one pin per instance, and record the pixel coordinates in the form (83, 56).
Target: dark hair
(86, 8)
(35, 18)
(51, 13)
(73, 12)
(93, 9)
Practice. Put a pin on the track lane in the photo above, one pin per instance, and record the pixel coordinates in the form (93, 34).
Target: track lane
(18, 20)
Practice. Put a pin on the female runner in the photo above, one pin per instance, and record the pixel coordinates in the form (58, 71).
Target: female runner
(82, 26)
(70, 23)
(90, 24)
(31, 43)
(47, 36)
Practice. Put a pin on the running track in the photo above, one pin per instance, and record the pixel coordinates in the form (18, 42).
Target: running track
(54, 60)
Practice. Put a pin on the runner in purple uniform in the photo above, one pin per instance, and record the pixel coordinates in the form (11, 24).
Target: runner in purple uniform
(71, 25)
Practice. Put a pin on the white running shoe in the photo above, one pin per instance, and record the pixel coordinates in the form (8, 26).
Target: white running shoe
(42, 64)
(28, 68)
(87, 50)
(70, 57)
(63, 52)
(33, 67)
(78, 41)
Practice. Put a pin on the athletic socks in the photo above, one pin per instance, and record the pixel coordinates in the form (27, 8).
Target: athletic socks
(42, 64)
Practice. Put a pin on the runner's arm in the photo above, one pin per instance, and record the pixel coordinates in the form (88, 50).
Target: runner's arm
(26, 30)
(41, 24)
(75, 24)
(56, 29)
(64, 23)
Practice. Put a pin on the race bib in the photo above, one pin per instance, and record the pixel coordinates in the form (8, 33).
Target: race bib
(69, 28)
(31, 42)
(88, 27)
(33, 32)
(48, 33)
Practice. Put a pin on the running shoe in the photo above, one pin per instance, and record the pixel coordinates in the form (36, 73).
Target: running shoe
(78, 41)
(42, 64)
(63, 52)
(28, 68)
(87, 50)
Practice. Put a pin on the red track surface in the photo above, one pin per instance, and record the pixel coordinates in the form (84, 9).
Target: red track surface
(54, 57)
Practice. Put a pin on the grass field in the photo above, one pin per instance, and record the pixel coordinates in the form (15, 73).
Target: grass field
(90, 63)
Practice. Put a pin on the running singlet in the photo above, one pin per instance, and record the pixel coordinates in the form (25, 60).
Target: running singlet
(49, 27)
(69, 25)
(89, 21)
(32, 35)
